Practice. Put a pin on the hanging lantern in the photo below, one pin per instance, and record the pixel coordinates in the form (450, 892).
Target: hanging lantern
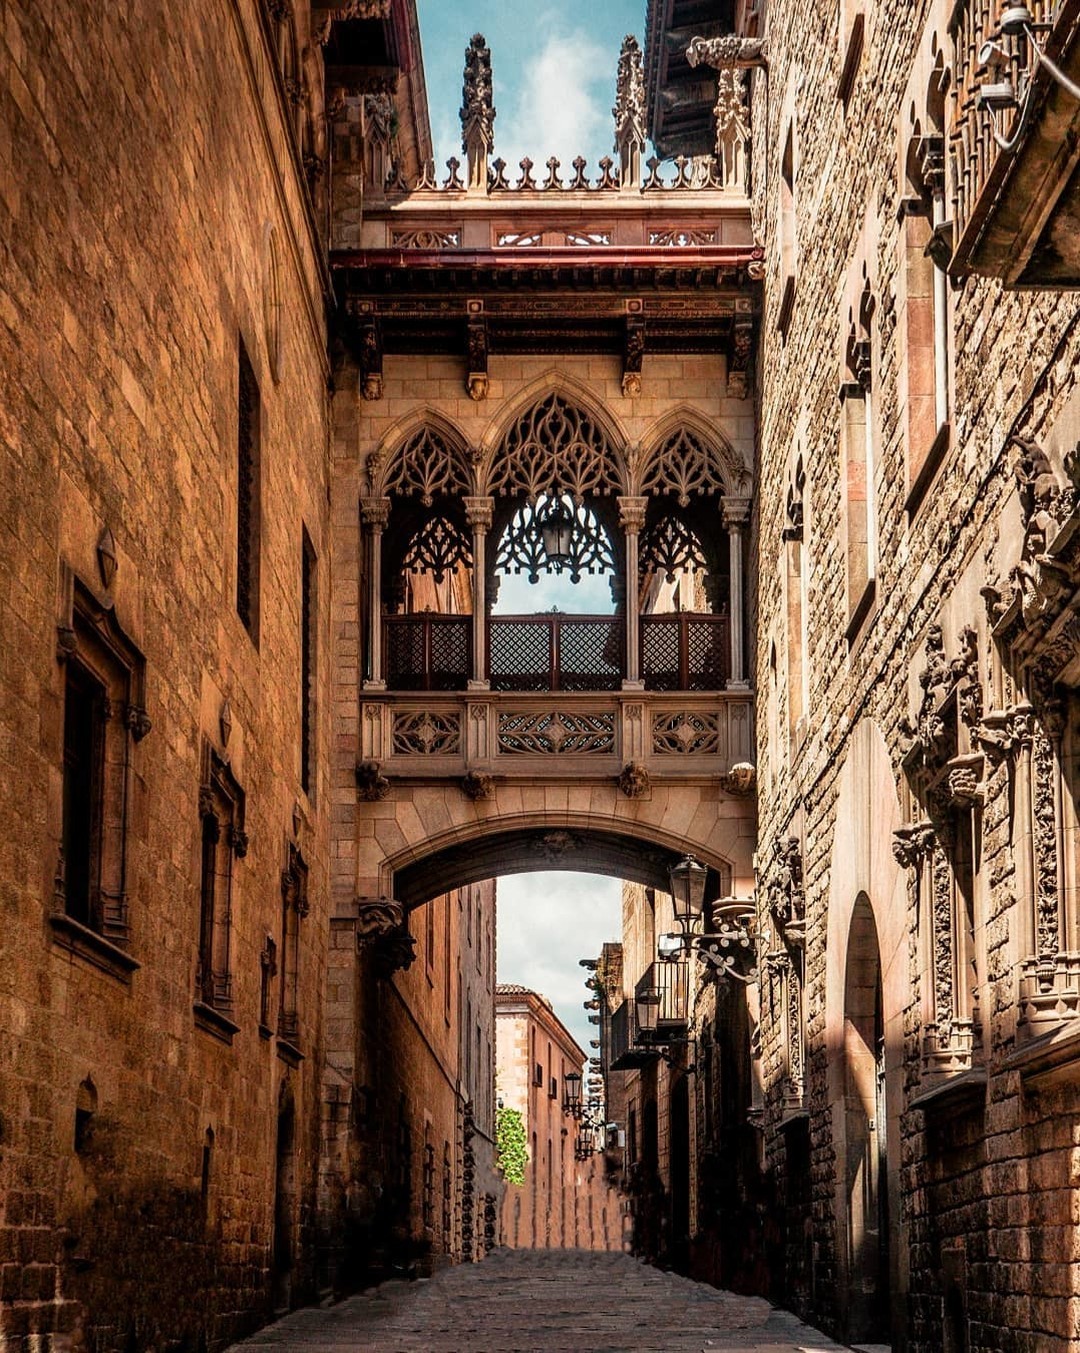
(572, 1093)
(647, 1003)
(688, 891)
(557, 531)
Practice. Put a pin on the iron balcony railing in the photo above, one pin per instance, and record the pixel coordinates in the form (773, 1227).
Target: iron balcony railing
(631, 1046)
(977, 158)
(556, 652)
(671, 979)
(428, 652)
(685, 652)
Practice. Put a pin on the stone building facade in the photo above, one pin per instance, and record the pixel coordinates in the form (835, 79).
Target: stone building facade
(166, 749)
(916, 669)
(273, 396)
(408, 1176)
(566, 1200)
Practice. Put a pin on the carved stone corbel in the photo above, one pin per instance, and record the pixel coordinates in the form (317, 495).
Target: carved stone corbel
(476, 381)
(477, 786)
(371, 784)
(633, 355)
(739, 358)
(634, 780)
(740, 780)
(912, 843)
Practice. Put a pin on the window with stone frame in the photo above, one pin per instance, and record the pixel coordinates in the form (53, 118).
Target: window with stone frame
(224, 841)
(294, 907)
(924, 309)
(428, 1196)
(267, 972)
(248, 495)
(851, 30)
(858, 439)
(447, 1199)
(104, 719)
(786, 231)
(796, 585)
(308, 612)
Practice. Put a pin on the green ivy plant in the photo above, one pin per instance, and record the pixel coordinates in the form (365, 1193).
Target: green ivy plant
(510, 1149)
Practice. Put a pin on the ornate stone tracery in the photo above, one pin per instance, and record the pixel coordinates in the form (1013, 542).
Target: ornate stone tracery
(684, 465)
(426, 465)
(555, 448)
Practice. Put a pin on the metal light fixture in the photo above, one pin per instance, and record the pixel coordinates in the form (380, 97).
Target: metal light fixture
(688, 891)
(670, 947)
(647, 1009)
(557, 531)
(572, 1092)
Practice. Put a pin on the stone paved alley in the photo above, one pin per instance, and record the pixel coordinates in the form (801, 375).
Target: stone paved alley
(544, 1301)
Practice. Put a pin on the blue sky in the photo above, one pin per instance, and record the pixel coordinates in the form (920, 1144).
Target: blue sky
(553, 64)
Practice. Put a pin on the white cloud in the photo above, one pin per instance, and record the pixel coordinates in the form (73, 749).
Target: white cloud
(546, 923)
(560, 107)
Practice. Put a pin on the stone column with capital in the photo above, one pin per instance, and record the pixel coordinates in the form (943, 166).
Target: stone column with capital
(736, 517)
(632, 520)
(478, 514)
(374, 515)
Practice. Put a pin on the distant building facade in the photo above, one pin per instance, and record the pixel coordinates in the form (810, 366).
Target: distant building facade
(565, 1200)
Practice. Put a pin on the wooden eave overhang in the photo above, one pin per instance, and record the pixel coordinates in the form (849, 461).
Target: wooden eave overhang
(538, 300)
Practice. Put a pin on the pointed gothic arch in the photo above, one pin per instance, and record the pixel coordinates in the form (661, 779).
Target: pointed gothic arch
(424, 456)
(686, 456)
(571, 392)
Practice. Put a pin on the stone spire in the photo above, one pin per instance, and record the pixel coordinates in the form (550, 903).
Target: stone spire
(731, 56)
(477, 114)
(629, 113)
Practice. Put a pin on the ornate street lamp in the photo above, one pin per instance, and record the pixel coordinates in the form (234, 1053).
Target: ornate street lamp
(572, 1093)
(687, 891)
(647, 1009)
(557, 531)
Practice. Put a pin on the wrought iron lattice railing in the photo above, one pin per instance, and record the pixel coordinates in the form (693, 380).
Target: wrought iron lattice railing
(556, 652)
(685, 652)
(428, 652)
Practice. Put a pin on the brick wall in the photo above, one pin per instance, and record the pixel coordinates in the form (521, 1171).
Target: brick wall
(144, 163)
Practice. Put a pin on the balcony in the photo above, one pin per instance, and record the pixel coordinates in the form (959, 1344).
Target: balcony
(1017, 187)
(556, 652)
(633, 1047)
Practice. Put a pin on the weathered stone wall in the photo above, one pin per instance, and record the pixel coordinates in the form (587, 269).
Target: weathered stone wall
(145, 163)
(966, 1236)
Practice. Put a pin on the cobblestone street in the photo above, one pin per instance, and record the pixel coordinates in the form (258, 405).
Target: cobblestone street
(544, 1301)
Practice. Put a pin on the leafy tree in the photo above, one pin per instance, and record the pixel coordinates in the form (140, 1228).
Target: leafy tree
(510, 1149)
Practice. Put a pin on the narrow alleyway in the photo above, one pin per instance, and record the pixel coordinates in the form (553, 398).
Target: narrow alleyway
(545, 1301)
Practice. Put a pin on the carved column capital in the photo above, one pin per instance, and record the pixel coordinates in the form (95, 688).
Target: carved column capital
(736, 512)
(478, 513)
(375, 513)
(632, 514)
